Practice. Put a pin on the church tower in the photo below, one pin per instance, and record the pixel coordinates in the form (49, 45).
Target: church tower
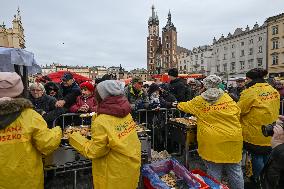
(13, 37)
(169, 45)
(153, 42)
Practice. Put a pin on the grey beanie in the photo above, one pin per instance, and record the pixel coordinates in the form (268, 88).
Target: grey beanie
(110, 88)
(212, 81)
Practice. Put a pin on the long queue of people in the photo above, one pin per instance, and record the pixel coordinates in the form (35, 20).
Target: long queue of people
(228, 122)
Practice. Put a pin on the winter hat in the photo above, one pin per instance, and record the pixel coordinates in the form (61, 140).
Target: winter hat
(256, 73)
(110, 88)
(67, 76)
(212, 81)
(11, 84)
(153, 87)
(87, 85)
(173, 72)
(137, 80)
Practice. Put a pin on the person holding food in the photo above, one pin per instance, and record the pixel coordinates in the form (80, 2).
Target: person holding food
(115, 149)
(86, 101)
(219, 132)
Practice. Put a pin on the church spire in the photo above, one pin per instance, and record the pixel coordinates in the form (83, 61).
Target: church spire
(169, 17)
(170, 25)
(153, 20)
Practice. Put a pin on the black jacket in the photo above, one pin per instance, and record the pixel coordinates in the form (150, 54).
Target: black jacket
(70, 94)
(179, 89)
(46, 107)
(272, 176)
(235, 93)
(167, 99)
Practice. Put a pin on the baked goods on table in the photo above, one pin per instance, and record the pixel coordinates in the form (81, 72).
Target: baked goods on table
(84, 131)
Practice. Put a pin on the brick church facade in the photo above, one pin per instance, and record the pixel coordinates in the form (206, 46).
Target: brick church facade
(161, 51)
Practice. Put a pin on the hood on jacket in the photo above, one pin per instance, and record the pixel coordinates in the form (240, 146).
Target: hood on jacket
(114, 105)
(10, 110)
(212, 95)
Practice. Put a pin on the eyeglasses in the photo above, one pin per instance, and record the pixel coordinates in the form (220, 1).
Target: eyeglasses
(36, 90)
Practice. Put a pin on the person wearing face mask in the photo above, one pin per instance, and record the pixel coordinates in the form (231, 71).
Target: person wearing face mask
(154, 96)
(44, 104)
(86, 101)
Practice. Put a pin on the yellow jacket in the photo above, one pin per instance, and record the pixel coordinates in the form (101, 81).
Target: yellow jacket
(219, 133)
(259, 105)
(115, 151)
(22, 144)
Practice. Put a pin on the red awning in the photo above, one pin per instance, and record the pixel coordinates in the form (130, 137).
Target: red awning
(56, 77)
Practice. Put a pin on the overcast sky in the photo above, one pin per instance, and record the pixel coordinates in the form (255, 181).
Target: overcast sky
(113, 32)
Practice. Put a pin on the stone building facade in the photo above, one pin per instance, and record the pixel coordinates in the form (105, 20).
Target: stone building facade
(161, 52)
(197, 60)
(13, 37)
(275, 44)
(239, 52)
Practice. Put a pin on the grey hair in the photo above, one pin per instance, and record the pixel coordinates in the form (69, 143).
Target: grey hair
(37, 85)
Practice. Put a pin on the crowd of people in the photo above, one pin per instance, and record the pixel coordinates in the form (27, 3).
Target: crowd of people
(229, 122)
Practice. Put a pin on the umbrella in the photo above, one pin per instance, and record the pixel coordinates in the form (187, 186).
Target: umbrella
(56, 77)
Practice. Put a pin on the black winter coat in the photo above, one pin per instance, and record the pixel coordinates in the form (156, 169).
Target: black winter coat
(70, 94)
(166, 99)
(272, 176)
(179, 89)
(45, 106)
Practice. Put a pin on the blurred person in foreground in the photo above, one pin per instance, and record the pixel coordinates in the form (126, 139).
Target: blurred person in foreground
(272, 175)
(114, 148)
(259, 104)
(219, 132)
(86, 101)
(70, 91)
(44, 104)
(24, 137)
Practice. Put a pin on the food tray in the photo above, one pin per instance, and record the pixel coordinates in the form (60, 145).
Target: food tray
(85, 130)
(151, 173)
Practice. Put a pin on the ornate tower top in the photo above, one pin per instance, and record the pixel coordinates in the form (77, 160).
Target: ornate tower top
(153, 20)
(170, 25)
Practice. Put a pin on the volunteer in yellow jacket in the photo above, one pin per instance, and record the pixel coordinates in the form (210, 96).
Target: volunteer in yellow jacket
(219, 133)
(24, 137)
(115, 149)
(259, 105)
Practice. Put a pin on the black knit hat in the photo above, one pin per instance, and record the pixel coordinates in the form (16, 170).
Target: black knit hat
(153, 87)
(173, 72)
(256, 73)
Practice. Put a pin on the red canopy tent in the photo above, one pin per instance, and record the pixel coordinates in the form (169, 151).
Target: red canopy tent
(56, 77)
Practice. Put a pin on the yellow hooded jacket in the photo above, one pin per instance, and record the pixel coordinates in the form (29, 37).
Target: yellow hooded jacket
(115, 151)
(22, 143)
(259, 105)
(219, 133)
